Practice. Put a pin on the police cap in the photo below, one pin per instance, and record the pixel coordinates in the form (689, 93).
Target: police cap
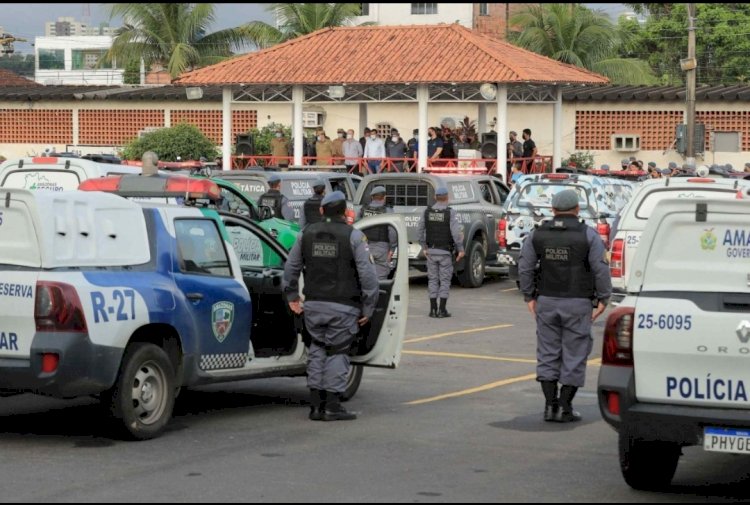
(377, 190)
(319, 183)
(672, 165)
(441, 191)
(605, 167)
(333, 197)
(665, 171)
(652, 164)
(273, 179)
(565, 200)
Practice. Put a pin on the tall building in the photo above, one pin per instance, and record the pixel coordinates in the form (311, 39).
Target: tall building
(487, 18)
(67, 26)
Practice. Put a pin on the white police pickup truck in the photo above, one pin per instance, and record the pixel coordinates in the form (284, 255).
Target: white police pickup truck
(130, 301)
(675, 357)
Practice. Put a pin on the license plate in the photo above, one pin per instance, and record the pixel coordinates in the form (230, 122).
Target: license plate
(726, 440)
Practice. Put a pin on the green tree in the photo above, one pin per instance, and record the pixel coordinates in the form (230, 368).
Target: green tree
(299, 19)
(184, 140)
(574, 34)
(21, 64)
(722, 42)
(174, 36)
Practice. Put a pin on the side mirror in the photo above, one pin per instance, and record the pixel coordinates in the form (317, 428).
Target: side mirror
(266, 212)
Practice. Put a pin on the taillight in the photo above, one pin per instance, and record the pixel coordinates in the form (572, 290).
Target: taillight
(350, 215)
(618, 338)
(500, 236)
(613, 403)
(603, 230)
(50, 361)
(58, 308)
(617, 258)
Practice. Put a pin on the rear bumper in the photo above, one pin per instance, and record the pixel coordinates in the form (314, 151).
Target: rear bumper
(659, 422)
(83, 369)
(509, 258)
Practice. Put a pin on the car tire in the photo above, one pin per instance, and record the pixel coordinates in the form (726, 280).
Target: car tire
(352, 382)
(472, 276)
(647, 465)
(143, 396)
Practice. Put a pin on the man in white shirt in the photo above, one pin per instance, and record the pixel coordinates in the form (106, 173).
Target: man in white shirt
(374, 151)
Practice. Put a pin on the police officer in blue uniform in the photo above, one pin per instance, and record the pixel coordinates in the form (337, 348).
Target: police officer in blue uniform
(440, 234)
(275, 200)
(311, 208)
(573, 273)
(382, 239)
(341, 291)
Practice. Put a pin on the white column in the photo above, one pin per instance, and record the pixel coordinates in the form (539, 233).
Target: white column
(76, 127)
(482, 120)
(143, 72)
(298, 97)
(501, 127)
(557, 130)
(167, 118)
(423, 96)
(226, 132)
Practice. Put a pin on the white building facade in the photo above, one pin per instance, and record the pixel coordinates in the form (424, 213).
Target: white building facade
(74, 61)
(416, 13)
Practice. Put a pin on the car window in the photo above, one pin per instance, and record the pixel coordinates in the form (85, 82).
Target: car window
(648, 202)
(502, 191)
(232, 202)
(341, 185)
(251, 249)
(541, 195)
(486, 192)
(201, 248)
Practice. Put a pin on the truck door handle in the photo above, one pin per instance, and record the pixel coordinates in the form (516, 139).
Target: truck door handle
(196, 297)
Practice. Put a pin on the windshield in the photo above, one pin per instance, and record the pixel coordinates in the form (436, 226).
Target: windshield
(536, 198)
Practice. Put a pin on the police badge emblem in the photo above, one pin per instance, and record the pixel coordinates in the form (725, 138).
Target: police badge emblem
(222, 317)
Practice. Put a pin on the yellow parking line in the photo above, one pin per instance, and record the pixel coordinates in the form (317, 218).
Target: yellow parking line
(471, 330)
(467, 356)
(486, 387)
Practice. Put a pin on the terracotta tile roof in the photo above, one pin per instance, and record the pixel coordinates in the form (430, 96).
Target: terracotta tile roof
(9, 78)
(388, 54)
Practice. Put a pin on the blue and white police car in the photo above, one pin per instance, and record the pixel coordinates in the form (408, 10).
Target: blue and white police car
(100, 295)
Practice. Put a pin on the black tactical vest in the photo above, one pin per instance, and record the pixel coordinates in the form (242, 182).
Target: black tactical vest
(311, 208)
(375, 233)
(329, 267)
(272, 198)
(438, 229)
(562, 247)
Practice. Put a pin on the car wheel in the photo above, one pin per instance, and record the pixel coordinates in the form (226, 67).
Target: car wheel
(143, 397)
(472, 276)
(352, 382)
(648, 465)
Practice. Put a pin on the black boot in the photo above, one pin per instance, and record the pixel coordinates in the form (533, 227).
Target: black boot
(567, 414)
(442, 312)
(334, 411)
(433, 307)
(317, 404)
(551, 403)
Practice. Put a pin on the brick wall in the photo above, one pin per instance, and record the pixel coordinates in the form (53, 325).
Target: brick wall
(495, 22)
(594, 129)
(209, 121)
(115, 127)
(732, 121)
(21, 126)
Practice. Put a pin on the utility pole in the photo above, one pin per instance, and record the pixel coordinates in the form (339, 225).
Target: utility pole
(690, 92)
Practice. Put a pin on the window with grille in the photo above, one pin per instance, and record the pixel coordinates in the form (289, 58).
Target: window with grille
(484, 9)
(424, 8)
(87, 59)
(409, 194)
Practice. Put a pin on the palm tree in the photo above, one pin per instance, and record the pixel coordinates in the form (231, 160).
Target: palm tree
(298, 19)
(174, 36)
(573, 34)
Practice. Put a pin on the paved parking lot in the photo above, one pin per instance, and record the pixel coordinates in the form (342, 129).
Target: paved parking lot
(459, 420)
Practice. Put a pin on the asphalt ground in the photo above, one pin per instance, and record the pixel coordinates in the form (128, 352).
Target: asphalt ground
(460, 420)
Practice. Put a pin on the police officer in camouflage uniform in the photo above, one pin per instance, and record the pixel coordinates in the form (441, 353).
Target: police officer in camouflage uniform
(311, 208)
(573, 274)
(382, 239)
(440, 234)
(274, 199)
(341, 291)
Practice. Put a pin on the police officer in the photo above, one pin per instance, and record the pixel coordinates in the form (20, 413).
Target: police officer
(440, 234)
(341, 290)
(311, 207)
(274, 199)
(382, 239)
(573, 273)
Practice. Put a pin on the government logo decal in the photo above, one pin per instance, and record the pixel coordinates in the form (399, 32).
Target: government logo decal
(222, 317)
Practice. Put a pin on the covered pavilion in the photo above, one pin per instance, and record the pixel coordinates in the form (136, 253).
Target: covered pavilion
(415, 63)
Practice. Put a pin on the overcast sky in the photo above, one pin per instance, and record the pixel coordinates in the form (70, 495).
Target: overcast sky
(27, 20)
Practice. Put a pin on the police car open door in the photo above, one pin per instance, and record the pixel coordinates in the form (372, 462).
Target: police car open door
(379, 342)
